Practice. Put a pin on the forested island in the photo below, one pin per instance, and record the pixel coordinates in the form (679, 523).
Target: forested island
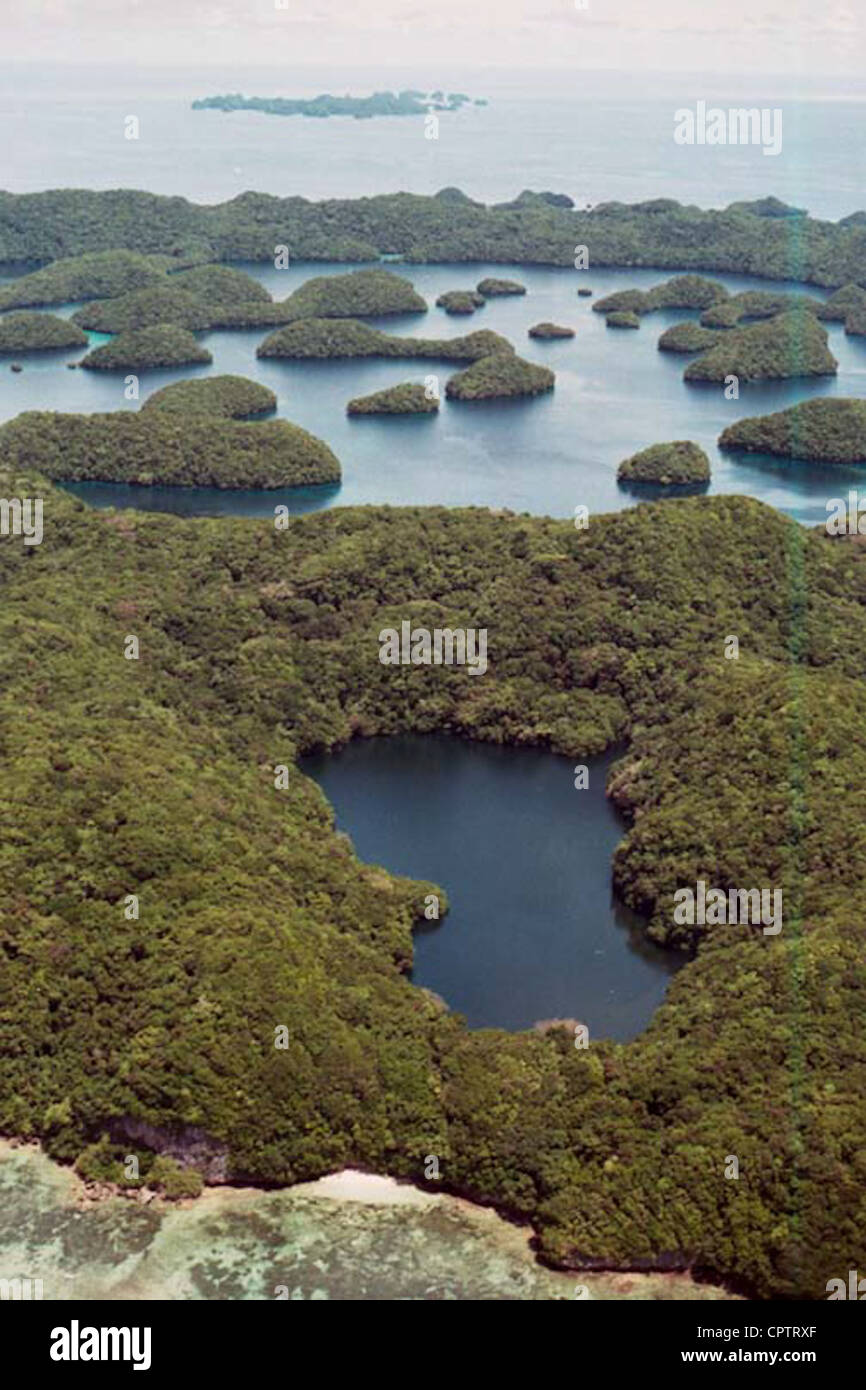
(26, 332)
(137, 350)
(538, 229)
(409, 398)
(257, 645)
(406, 103)
(776, 349)
(831, 430)
(667, 465)
(161, 447)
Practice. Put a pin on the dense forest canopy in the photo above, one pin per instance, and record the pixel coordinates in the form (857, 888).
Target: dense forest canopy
(158, 777)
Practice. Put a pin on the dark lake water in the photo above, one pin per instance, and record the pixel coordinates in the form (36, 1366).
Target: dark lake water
(615, 393)
(533, 930)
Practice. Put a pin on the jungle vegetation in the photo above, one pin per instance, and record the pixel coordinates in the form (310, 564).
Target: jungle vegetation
(687, 337)
(406, 103)
(157, 778)
(622, 318)
(536, 230)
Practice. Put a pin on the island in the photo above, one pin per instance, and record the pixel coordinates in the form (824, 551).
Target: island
(158, 447)
(460, 301)
(680, 292)
(147, 308)
(229, 397)
(406, 103)
(409, 398)
(790, 345)
(687, 337)
(163, 345)
(657, 233)
(31, 332)
(550, 330)
(333, 338)
(676, 464)
(498, 377)
(160, 778)
(824, 430)
(760, 304)
(357, 294)
(622, 318)
(491, 288)
(90, 276)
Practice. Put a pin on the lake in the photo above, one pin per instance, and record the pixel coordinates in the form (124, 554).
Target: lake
(534, 931)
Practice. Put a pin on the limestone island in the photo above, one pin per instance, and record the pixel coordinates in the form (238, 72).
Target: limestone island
(680, 292)
(460, 301)
(491, 288)
(31, 332)
(538, 229)
(826, 430)
(499, 377)
(675, 464)
(97, 275)
(550, 330)
(336, 338)
(228, 397)
(208, 296)
(406, 103)
(357, 294)
(409, 398)
(585, 292)
(687, 337)
(790, 345)
(622, 318)
(163, 345)
(159, 448)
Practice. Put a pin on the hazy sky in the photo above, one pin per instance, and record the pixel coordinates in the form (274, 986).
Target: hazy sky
(793, 36)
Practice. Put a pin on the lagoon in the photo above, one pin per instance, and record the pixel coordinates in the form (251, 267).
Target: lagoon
(534, 931)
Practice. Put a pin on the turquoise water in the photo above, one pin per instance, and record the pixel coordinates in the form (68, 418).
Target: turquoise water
(534, 931)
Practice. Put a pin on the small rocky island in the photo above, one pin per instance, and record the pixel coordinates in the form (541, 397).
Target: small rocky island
(405, 103)
(31, 332)
(550, 330)
(680, 292)
(498, 377)
(668, 465)
(490, 287)
(409, 398)
(460, 301)
(826, 430)
(622, 318)
(687, 337)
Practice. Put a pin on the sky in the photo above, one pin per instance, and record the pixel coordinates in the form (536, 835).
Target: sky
(783, 36)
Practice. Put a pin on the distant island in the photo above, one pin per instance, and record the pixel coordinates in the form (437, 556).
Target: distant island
(407, 103)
